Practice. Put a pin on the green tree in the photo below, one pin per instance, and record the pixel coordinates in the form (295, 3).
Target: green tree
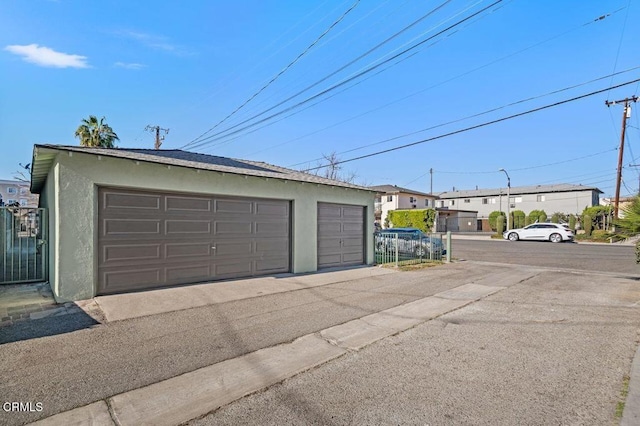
(97, 133)
(629, 223)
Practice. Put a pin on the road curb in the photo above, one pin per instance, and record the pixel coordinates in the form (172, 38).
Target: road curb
(631, 413)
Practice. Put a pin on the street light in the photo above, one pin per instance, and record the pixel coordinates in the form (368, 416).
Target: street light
(508, 195)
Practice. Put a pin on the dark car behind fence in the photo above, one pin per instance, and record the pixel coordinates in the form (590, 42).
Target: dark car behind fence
(406, 248)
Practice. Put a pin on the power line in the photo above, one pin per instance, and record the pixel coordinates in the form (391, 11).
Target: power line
(477, 126)
(304, 52)
(329, 75)
(217, 136)
(470, 116)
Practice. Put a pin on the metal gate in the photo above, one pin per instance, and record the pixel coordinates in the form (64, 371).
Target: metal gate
(23, 248)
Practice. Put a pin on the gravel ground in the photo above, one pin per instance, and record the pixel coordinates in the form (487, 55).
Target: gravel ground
(551, 350)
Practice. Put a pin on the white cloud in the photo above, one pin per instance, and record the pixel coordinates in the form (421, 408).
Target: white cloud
(155, 42)
(46, 57)
(129, 66)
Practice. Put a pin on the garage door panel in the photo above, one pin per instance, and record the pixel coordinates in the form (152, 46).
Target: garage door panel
(130, 252)
(352, 227)
(187, 204)
(119, 200)
(265, 208)
(167, 239)
(119, 280)
(230, 269)
(271, 228)
(233, 206)
(198, 272)
(228, 227)
(329, 228)
(131, 226)
(353, 242)
(232, 248)
(328, 211)
(181, 227)
(354, 258)
(330, 260)
(352, 212)
(273, 246)
(181, 250)
(272, 265)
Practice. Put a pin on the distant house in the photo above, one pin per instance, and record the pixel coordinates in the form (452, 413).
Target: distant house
(393, 197)
(15, 191)
(563, 198)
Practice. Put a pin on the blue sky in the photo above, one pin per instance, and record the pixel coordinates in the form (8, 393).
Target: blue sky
(187, 66)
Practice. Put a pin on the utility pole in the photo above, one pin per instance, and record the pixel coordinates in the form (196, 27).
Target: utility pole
(431, 186)
(157, 130)
(626, 113)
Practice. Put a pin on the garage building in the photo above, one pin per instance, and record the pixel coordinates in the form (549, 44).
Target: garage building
(132, 219)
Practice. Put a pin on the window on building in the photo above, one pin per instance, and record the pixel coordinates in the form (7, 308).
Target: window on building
(426, 202)
(11, 190)
(441, 203)
(10, 201)
(515, 200)
(378, 199)
(23, 190)
(467, 200)
(493, 201)
(389, 197)
(452, 202)
(23, 201)
(411, 199)
(485, 201)
(540, 198)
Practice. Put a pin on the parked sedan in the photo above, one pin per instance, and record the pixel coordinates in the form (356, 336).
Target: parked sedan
(554, 232)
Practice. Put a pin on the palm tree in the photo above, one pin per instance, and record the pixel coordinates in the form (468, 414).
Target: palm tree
(629, 225)
(96, 133)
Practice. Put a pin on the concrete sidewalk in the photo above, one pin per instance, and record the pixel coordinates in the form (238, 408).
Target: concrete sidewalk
(119, 307)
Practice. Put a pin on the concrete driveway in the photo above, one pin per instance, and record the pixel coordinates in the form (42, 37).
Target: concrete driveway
(465, 343)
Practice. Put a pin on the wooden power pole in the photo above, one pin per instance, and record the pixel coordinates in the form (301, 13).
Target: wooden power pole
(626, 113)
(157, 130)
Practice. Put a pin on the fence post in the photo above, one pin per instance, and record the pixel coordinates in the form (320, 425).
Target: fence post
(396, 250)
(448, 246)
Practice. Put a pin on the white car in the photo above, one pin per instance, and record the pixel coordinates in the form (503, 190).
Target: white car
(554, 232)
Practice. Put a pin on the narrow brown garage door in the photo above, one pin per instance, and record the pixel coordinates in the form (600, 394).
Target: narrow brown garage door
(340, 235)
(149, 239)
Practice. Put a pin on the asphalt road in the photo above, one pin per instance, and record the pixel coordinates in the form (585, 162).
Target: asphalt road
(613, 258)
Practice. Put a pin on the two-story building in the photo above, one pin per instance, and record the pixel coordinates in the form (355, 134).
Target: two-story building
(560, 198)
(393, 197)
(15, 191)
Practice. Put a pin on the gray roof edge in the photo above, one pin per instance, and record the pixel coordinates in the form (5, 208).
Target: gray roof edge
(515, 190)
(280, 174)
(397, 189)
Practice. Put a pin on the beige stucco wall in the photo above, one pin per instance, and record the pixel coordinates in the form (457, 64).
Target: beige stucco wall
(77, 177)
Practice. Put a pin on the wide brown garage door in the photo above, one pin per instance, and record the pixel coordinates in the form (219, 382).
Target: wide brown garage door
(340, 235)
(149, 239)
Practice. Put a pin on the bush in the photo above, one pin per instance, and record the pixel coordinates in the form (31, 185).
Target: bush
(416, 218)
(555, 218)
(500, 224)
(587, 223)
(492, 219)
(519, 219)
(572, 222)
(537, 215)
